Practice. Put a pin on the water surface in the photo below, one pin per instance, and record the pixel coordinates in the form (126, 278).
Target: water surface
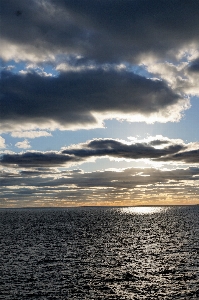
(100, 253)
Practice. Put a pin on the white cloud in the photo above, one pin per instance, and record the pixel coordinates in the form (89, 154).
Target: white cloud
(178, 75)
(24, 144)
(31, 134)
(19, 52)
(2, 142)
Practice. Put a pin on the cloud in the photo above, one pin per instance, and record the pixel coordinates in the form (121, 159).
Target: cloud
(130, 186)
(82, 99)
(162, 150)
(187, 157)
(101, 30)
(181, 78)
(72, 65)
(71, 37)
(2, 142)
(30, 134)
(114, 148)
(159, 142)
(24, 144)
(37, 159)
(114, 178)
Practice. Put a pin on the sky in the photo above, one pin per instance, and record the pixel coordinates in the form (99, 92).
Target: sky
(99, 103)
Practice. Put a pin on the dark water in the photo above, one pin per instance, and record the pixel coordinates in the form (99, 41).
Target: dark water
(100, 253)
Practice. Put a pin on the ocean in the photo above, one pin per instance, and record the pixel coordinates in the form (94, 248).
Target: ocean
(100, 253)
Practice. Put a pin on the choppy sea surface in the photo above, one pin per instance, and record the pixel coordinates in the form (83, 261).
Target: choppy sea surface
(100, 253)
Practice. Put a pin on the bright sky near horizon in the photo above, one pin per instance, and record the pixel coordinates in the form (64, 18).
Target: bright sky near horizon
(99, 102)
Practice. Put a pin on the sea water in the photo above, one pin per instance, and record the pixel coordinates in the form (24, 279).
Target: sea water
(100, 253)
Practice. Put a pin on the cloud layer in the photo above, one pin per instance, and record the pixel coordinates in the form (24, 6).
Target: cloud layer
(132, 186)
(83, 41)
(164, 150)
(71, 65)
(41, 178)
(101, 30)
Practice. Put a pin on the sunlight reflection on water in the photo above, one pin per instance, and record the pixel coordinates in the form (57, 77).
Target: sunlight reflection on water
(143, 210)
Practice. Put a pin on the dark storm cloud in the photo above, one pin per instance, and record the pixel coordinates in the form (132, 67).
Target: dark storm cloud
(72, 97)
(101, 29)
(100, 148)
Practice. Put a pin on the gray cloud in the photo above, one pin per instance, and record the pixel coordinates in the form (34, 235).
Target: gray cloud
(101, 30)
(110, 147)
(37, 159)
(159, 142)
(191, 156)
(77, 154)
(136, 185)
(73, 98)
(125, 178)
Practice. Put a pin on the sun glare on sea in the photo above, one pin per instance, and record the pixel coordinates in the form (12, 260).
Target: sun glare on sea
(142, 210)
